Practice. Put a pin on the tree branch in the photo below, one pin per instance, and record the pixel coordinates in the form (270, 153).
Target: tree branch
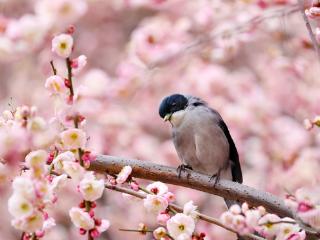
(179, 209)
(226, 189)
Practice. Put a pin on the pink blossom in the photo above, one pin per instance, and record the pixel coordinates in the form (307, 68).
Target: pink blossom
(58, 161)
(171, 197)
(311, 217)
(313, 12)
(81, 219)
(30, 223)
(155, 203)
(62, 45)
(124, 174)
(91, 188)
(157, 188)
(162, 218)
(55, 84)
(159, 233)
(268, 229)
(73, 138)
(79, 63)
(105, 224)
(180, 225)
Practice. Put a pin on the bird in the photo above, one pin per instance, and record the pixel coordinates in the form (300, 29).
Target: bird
(201, 138)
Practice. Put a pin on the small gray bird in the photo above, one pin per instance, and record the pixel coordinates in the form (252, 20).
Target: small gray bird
(201, 138)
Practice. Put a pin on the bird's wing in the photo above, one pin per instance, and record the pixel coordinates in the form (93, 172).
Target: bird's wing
(233, 154)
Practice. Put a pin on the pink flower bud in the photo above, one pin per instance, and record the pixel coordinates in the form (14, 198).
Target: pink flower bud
(170, 197)
(82, 231)
(162, 218)
(91, 213)
(94, 233)
(134, 186)
(40, 234)
(304, 207)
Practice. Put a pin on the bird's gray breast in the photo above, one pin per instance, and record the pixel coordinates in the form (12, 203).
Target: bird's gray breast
(200, 142)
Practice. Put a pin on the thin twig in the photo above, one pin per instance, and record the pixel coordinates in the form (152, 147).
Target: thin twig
(54, 70)
(309, 28)
(179, 209)
(68, 63)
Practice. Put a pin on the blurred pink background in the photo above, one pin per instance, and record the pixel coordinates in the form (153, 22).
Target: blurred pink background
(258, 69)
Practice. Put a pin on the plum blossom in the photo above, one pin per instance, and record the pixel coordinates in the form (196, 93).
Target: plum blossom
(62, 45)
(36, 159)
(26, 32)
(30, 223)
(306, 202)
(313, 12)
(155, 203)
(74, 170)
(90, 188)
(181, 226)
(150, 43)
(159, 233)
(55, 84)
(81, 219)
(78, 64)
(288, 231)
(124, 174)
(60, 12)
(162, 218)
(19, 206)
(73, 138)
(268, 229)
(190, 209)
(157, 188)
(104, 225)
(58, 161)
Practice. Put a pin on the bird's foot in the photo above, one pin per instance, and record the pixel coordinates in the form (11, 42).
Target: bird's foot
(183, 168)
(216, 178)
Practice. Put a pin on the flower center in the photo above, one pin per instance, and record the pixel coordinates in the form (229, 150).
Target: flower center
(181, 227)
(286, 231)
(74, 136)
(154, 190)
(24, 206)
(63, 45)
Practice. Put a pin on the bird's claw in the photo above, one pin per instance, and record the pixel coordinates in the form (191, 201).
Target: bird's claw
(183, 167)
(216, 178)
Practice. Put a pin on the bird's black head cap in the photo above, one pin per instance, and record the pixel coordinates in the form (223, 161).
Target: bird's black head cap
(172, 103)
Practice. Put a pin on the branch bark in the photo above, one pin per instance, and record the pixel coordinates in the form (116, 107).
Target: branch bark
(226, 189)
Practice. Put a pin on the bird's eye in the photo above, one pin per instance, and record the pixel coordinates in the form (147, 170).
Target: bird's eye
(173, 104)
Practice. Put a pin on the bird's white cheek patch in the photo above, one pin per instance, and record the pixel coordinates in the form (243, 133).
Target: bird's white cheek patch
(177, 117)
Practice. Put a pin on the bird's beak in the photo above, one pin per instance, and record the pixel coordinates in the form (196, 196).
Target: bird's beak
(167, 117)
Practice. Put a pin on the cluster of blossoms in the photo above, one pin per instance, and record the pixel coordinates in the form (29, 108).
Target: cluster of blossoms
(44, 171)
(245, 220)
(173, 225)
(33, 192)
(28, 32)
(306, 203)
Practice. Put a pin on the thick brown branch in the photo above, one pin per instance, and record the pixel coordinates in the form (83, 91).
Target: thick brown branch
(194, 180)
